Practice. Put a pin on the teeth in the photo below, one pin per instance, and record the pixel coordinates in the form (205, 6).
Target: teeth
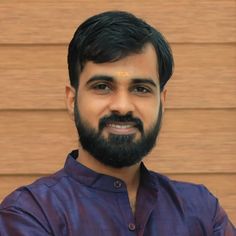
(118, 126)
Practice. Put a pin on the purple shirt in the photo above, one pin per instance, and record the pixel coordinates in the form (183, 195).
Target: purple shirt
(78, 201)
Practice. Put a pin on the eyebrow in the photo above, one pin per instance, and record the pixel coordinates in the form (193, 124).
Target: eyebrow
(111, 79)
(100, 78)
(144, 81)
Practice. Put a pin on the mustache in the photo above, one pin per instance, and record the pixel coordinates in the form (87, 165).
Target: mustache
(117, 118)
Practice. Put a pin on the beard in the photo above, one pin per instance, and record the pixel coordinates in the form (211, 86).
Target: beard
(117, 150)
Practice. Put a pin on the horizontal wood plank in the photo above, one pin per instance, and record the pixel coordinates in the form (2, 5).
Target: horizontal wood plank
(191, 141)
(222, 186)
(33, 77)
(48, 22)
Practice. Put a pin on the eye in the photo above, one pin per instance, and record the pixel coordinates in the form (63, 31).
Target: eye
(141, 90)
(101, 88)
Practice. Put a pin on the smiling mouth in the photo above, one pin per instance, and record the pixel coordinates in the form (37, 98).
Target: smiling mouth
(121, 128)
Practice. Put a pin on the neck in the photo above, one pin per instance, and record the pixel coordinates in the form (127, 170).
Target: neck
(130, 175)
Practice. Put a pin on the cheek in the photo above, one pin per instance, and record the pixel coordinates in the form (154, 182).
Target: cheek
(149, 112)
(92, 109)
(152, 116)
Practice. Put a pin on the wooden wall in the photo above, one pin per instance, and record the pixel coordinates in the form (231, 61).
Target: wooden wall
(198, 139)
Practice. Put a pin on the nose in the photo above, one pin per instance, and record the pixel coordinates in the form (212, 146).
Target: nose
(121, 103)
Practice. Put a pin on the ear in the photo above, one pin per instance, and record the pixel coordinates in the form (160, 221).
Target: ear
(163, 99)
(70, 100)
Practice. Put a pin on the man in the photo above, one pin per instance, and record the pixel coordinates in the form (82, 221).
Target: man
(118, 68)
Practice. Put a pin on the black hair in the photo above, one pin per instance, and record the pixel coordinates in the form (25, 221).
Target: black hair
(111, 36)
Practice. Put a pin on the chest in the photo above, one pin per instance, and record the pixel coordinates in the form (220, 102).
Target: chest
(113, 216)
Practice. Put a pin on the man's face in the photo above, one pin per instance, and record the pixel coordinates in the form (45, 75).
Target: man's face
(117, 109)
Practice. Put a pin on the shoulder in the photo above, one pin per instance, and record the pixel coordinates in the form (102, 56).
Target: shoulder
(28, 208)
(194, 199)
(197, 203)
(31, 195)
(182, 188)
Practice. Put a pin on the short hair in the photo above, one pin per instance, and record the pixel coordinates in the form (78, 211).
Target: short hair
(111, 36)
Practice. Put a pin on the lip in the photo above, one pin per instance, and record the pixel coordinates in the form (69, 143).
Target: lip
(121, 128)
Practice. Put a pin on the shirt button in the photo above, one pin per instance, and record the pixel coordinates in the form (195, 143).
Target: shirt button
(131, 227)
(117, 184)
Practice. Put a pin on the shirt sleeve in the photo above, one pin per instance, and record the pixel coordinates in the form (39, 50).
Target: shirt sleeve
(222, 224)
(15, 221)
(22, 215)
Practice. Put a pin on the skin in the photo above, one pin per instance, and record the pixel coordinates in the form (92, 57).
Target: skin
(129, 85)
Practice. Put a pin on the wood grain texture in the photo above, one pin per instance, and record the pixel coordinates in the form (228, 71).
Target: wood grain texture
(222, 186)
(28, 22)
(33, 77)
(191, 141)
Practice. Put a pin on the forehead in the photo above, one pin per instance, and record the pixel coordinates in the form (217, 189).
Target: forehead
(141, 65)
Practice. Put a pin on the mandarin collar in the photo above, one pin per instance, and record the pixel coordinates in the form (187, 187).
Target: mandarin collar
(92, 179)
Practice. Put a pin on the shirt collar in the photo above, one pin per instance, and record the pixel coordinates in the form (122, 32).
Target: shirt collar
(103, 182)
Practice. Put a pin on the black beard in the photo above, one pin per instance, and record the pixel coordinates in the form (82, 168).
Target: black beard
(117, 150)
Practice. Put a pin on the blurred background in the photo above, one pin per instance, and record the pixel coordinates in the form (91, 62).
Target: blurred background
(198, 138)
